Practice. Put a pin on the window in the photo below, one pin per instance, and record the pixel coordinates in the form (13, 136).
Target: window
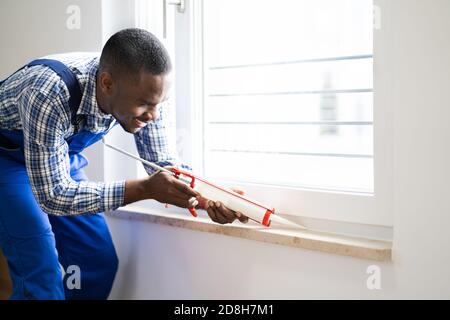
(289, 92)
(283, 98)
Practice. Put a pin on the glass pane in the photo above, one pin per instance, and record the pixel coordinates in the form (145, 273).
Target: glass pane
(287, 108)
(288, 92)
(297, 77)
(345, 139)
(258, 31)
(291, 170)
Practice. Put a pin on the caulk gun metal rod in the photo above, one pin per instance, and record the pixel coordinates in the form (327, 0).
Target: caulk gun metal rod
(150, 164)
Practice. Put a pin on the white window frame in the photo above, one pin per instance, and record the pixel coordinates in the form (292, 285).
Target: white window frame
(362, 208)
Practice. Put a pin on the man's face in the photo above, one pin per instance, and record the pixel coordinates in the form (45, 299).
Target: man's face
(134, 102)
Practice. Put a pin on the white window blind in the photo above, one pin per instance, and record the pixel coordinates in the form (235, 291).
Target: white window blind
(288, 92)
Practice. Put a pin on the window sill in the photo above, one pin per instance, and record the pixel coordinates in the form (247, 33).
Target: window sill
(311, 240)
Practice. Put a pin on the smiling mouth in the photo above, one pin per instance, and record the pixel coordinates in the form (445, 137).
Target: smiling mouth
(139, 124)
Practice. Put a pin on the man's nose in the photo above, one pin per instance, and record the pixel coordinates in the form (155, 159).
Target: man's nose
(154, 114)
(149, 116)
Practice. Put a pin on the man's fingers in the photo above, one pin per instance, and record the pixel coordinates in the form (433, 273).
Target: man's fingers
(221, 217)
(174, 192)
(242, 218)
(212, 214)
(229, 215)
(180, 202)
(184, 188)
(221, 214)
(215, 214)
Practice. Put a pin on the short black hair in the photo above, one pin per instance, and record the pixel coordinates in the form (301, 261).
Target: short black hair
(132, 50)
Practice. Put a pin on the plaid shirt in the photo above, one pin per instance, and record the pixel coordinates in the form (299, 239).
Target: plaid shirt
(35, 100)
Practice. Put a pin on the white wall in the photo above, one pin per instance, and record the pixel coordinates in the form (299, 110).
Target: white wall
(421, 101)
(162, 262)
(33, 28)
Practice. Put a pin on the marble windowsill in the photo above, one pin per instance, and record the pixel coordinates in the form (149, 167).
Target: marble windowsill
(304, 239)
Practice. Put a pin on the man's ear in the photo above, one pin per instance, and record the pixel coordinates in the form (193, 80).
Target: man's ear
(106, 82)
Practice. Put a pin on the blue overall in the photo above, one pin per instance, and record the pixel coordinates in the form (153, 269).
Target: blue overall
(37, 245)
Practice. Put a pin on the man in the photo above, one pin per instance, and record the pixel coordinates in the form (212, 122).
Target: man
(52, 109)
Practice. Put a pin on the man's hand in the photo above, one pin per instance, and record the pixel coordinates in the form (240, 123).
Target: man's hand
(162, 187)
(166, 188)
(219, 213)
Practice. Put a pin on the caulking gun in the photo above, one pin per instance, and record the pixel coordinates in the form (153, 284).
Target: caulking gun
(253, 210)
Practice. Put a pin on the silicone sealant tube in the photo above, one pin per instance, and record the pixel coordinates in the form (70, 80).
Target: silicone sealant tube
(236, 202)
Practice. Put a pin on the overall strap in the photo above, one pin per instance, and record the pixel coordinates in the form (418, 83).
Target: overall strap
(67, 76)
